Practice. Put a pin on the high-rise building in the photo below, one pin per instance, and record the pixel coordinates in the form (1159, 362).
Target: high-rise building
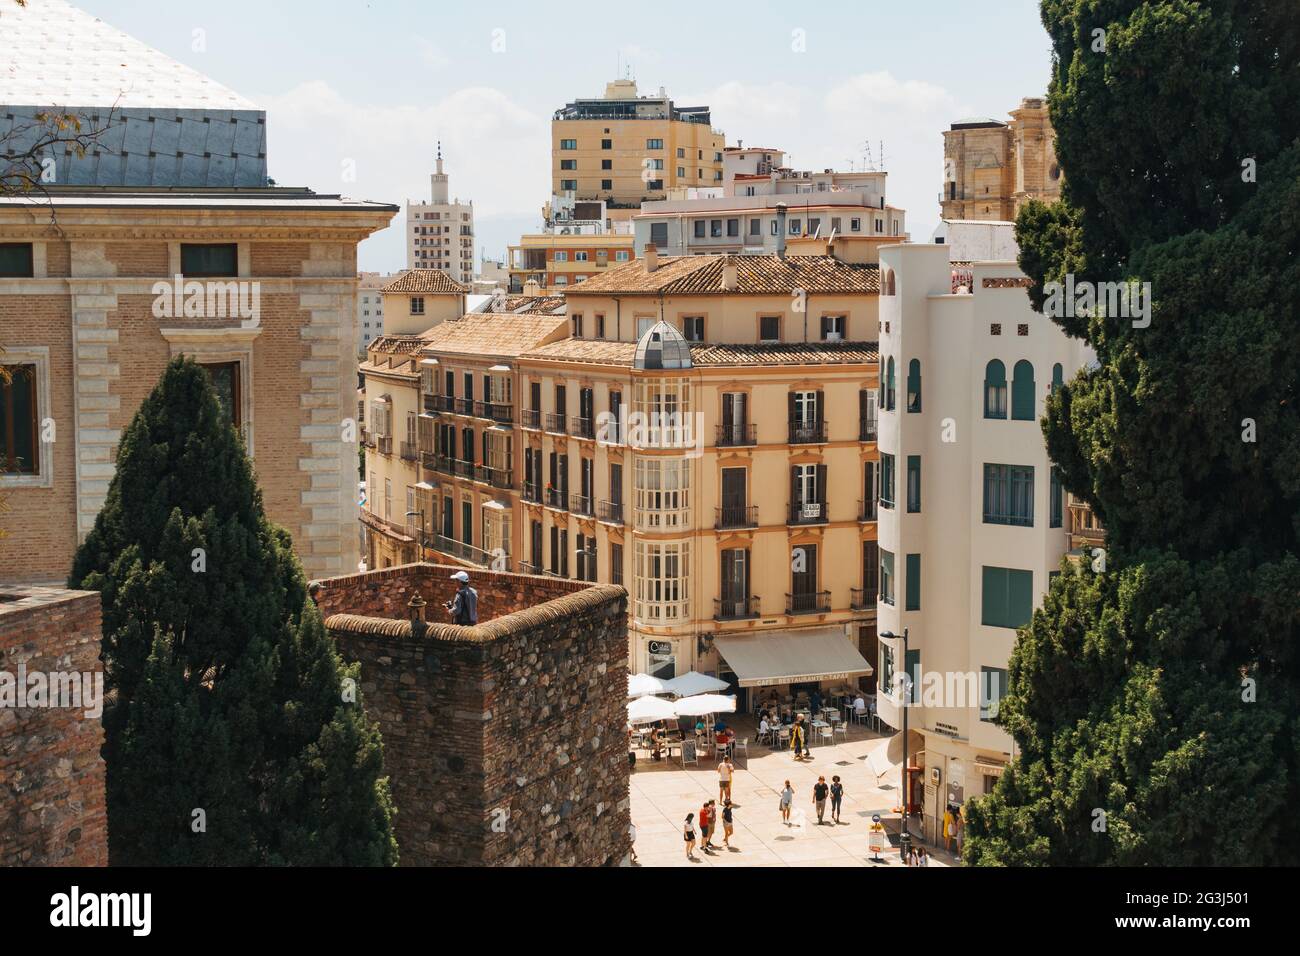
(992, 168)
(625, 149)
(440, 233)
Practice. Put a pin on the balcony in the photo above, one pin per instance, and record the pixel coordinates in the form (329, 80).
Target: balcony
(735, 609)
(500, 412)
(805, 433)
(808, 512)
(384, 444)
(867, 510)
(581, 428)
(581, 505)
(430, 404)
(467, 552)
(862, 599)
(731, 435)
(526, 567)
(609, 511)
(557, 498)
(555, 423)
(811, 602)
(496, 477)
(407, 450)
(868, 430)
(736, 516)
(530, 418)
(532, 492)
(464, 406)
(367, 438)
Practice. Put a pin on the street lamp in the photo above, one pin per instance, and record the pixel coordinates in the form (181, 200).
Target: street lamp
(905, 837)
(420, 541)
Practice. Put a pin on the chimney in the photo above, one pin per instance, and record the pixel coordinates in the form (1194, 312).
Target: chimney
(651, 256)
(532, 288)
(729, 273)
(780, 229)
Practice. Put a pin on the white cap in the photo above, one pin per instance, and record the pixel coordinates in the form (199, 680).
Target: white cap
(460, 576)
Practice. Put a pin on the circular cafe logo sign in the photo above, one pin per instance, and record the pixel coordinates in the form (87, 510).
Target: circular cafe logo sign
(660, 647)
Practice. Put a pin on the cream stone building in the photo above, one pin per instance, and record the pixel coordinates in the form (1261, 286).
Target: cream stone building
(972, 517)
(992, 168)
(623, 148)
(556, 261)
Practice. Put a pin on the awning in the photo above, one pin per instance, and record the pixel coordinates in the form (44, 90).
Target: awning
(791, 657)
(429, 361)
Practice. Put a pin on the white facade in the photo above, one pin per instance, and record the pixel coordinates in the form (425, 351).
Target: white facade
(977, 240)
(370, 308)
(959, 615)
(440, 233)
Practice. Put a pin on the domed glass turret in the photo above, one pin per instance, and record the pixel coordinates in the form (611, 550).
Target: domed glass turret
(662, 346)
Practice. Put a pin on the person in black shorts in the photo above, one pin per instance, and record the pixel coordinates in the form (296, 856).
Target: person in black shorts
(688, 832)
(837, 797)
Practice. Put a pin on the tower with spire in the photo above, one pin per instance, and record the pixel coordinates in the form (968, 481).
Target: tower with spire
(440, 232)
(438, 181)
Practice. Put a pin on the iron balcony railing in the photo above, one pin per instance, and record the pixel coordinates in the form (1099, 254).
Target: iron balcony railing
(808, 512)
(500, 412)
(496, 477)
(867, 510)
(731, 435)
(868, 429)
(384, 444)
(580, 504)
(557, 498)
(734, 609)
(464, 406)
(530, 418)
(555, 423)
(803, 433)
(527, 567)
(862, 599)
(468, 552)
(610, 511)
(582, 428)
(736, 516)
(407, 451)
(532, 492)
(809, 602)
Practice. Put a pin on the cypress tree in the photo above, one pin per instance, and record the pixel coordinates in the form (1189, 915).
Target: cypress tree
(1154, 698)
(203, 616)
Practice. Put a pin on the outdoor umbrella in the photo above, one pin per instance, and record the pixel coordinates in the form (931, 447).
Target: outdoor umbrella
(690, 684)
(702, 704)
(646, 710)
(641, 685)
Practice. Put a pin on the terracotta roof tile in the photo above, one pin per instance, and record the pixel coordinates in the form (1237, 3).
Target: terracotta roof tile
(427, 281)
(755, 275)
(705, 355)
(493, 334)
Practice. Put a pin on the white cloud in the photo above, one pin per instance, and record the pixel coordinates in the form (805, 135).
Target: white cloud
(430, 53)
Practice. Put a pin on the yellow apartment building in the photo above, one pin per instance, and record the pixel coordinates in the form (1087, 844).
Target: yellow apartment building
(624, 148)
(558, 261)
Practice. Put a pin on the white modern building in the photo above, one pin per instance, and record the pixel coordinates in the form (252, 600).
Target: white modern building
(370, 308)
(440, 233)
(972, 520)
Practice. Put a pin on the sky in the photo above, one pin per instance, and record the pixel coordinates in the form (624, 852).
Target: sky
(359, 92)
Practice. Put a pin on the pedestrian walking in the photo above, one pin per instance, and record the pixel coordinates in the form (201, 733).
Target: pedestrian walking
(726, 824)
(837, 797)
(631, 832)
(706, 823)
(958, 830)
(797, 738)
(820, 790)
(787, 798)
(947, 828)
(725, 771)
(688, 831)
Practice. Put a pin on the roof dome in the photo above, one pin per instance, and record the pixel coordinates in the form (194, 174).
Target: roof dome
(662, 346)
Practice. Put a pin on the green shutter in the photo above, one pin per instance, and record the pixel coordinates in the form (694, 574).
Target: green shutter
(887, 577)
(913, 584)
(1008, 597)
(1020, 597)
(913, 666)
(1022, 392)
(994, 602)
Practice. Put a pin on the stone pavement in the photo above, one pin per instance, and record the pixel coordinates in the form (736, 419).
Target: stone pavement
(663, 793)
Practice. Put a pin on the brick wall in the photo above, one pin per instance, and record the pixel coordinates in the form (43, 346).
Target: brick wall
(504, 743)
(51, 774)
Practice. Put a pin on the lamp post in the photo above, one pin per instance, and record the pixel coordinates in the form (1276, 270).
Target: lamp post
(420, 540)
(905, 837)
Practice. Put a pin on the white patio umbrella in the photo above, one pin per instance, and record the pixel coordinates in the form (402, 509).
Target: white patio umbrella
(702, 704)
(646, 710)
(692, 683)
(641, 685)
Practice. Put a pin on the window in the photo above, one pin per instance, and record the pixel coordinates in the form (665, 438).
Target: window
(571, 143)
(890, 402)
(568, 184)
(561, 256)
(1022, 392)
(914, 385)
(886, 480)
(417, 305)
(622, 255)
(870, 572)
(913, 484)
(20, 449)
(834, 327)
(655, 144)
(15, 260)
(700, 228)
(855, 225)
(775, 227)
(993, 688)
(886, 668)
(886, 576)
(693, 328)
(607, 184)
(1008, 597)
(681, 153)
(769, 328)
(225, 379)
(995, 390)
(796, 226)
(662, 580)
(655, 184)
(715, 228)
(655, 164)
(1054, 506)
(867, 418)
(604, 143)
(581, 256)
(662, 492)
(606, 164)
(600, 325)
(577, 326)
(210, 259)
(912, 585)
(568, 164)
(733, 227)
(1058, 378)
(755, 227)
(615, 563)
(681, 172)
(1009, 495)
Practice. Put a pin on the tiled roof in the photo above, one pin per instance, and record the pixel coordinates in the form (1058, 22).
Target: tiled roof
(599, 352)
(755, 275)
(489, 333)
(426, 281)
(396, 344)
(529, 305)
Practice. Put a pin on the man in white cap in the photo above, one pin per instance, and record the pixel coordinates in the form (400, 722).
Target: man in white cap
(464, 606)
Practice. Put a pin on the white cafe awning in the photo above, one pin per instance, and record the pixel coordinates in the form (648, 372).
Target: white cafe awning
(791, 657)
(429, 361)
(499, 368)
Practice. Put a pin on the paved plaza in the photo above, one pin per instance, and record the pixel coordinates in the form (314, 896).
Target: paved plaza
(663, 793)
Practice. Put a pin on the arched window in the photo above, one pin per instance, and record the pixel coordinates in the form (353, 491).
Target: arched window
(1022, 392)
(995, 390)
(890, 386)
(914, 385)
(1058, 377)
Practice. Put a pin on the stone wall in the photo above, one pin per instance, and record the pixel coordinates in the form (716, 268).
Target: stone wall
(52, 810)
(504, 743)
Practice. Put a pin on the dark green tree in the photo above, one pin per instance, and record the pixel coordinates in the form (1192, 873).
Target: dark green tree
(203, 599)
(1154, 698)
